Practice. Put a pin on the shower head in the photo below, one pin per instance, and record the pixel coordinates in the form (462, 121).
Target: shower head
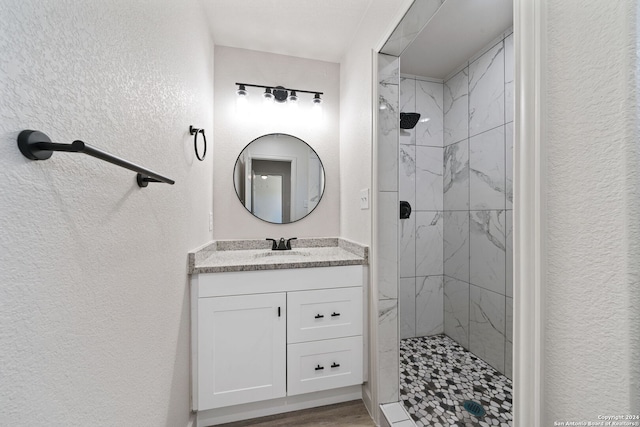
(409, 120)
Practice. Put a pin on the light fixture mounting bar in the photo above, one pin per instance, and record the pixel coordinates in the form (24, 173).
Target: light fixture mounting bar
(279, 88)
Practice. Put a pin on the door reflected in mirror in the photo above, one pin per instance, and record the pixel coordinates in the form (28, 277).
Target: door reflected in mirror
(279, 178)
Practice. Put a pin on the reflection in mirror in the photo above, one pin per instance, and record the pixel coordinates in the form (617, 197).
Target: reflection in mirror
(279, 178)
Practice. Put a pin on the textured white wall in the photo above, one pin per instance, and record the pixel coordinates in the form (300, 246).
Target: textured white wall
(356, 132)
(94, 300)
(235, 130)
(592, 329)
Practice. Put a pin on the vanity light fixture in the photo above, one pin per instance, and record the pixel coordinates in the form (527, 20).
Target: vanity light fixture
(279, 93)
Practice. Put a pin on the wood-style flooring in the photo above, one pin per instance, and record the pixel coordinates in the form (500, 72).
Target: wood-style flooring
(348, 414)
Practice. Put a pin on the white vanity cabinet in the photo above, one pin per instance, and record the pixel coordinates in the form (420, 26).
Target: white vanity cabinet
(272, 334)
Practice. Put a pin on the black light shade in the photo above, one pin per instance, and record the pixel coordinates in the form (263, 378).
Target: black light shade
(242, 91)
(316, 99)
(293, 97)
(267, 94)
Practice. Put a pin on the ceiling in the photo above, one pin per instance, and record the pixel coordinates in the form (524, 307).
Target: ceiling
(314, 29)
(323, 29)
(457, 31)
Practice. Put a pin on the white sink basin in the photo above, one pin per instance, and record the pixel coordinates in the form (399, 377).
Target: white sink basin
(294, 253)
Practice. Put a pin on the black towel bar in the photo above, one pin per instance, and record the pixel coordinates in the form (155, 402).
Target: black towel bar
(35, 145)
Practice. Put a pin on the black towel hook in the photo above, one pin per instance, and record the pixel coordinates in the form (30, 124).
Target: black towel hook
(196, 131)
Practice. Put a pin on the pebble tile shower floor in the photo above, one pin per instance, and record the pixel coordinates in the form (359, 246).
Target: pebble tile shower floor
(437, 375)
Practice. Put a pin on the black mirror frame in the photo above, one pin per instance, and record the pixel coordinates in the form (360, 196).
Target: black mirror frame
(324, 177)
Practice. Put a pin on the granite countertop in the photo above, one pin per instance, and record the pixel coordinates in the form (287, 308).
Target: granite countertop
(249, 255)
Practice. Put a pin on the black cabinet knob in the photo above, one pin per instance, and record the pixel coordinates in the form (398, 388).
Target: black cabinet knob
(335, 365)
(319, 368)
(334, 314)
(319, 316)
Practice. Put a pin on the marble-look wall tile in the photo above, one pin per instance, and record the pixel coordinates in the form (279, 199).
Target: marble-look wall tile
(408, 246)
(509, 79)
(429, 305)
(407, 105)
(429, 103)
(487, 250)
(486, 91)
(388, 69)
(456, 176)
(486, 326)
(456, 310)
(508, 350)
(456, 245)
(508, 131)
(388, 128)
(509, 253)
(388, 351)
(429, 184)
(456, 108)
(387, 232)
(429, 243)
(407, 307)
(407, 183)
(487, 170)
(387, 254)
(459, 234)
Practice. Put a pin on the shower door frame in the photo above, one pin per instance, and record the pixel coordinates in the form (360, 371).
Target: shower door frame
(529, 26)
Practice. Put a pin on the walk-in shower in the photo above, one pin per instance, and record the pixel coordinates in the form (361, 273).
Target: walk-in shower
(452, 63)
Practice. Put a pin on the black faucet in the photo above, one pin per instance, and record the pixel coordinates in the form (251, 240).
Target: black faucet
(281, 245)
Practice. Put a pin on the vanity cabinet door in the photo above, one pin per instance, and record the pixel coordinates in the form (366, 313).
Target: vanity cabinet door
(241, 349)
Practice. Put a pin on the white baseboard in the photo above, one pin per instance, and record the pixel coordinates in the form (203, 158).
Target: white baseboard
(192, 420)
(265, 408)
(366, 399)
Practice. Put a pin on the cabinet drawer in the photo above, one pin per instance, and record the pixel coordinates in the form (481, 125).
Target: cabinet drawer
(324, 314)
(267, 281)
(322, 365)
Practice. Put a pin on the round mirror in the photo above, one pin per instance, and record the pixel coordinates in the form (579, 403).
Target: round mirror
(279, 178)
